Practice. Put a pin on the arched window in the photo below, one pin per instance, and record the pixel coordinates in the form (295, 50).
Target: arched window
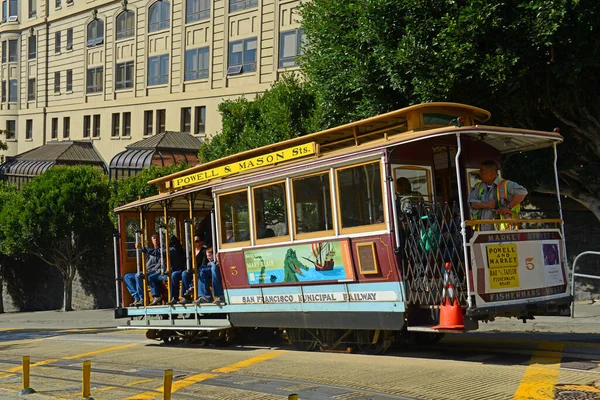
(125, 24)
(95, 33)
(159, 16)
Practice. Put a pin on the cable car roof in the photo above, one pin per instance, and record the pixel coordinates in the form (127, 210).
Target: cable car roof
(410, 124)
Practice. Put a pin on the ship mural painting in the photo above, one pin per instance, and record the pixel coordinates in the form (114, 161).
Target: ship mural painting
(322, 253)
(289, 264)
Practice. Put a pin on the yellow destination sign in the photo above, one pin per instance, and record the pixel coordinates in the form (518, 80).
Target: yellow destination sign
(246, 165)
(502, 255)
(503, 266)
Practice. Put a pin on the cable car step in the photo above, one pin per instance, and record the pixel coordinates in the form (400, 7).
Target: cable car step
(203, 323)
(430, 329)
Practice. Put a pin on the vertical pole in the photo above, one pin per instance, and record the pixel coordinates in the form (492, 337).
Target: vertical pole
(25, 377)
(117, 269)
(85, 380)
(463, 225)
(25, 372)
(145, 278)
(562, 222)
(138, 252)
(168, 256)
(168, 380)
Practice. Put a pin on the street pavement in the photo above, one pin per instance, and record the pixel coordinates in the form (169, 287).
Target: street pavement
(548, 358)
(586, 321)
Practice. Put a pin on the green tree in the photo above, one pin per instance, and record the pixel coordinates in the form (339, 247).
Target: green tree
(9, 198)
(533, 63)
(62, 218)
(285, 111)
(126, 190)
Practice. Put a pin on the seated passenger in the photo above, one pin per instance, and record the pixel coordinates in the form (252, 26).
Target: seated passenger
(210, 272)
(133, 281)
(177, 256)
(187, 276)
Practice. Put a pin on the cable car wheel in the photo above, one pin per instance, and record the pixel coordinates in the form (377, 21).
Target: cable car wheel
(373, 341)
(301, 339)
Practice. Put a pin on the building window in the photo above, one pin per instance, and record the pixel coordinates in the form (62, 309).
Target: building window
(69, 38)
(11, 129)
(158, 70)
(29, 129)
(197, 10)
(86, 126)
(69, 80)
(13, 9)
(54, 128)
(290, 47)
(57, 82)
(161, 120)
(12, 91)
(148, 122)
(13, 50)
(95, 80)
(124, 75)
(237, 5)
(95, 33)
(4, 11)
(242, 56)
(32, 48)
(199, 120)
(57, 3)
(196, 64)
(159, 16)
(31, 89)
(186, 119)
(32, 8)
(4, 91)
(57, 42)
(4, 52)
(126, 124)
(115, 124)
(97, 126)
(66, 127)
(125, 24)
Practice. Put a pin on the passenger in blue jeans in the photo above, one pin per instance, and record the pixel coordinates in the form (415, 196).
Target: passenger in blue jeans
(207, 273)
(134, 282)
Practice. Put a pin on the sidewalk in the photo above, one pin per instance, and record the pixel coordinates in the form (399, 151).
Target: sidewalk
(587, 320)
(81, 319)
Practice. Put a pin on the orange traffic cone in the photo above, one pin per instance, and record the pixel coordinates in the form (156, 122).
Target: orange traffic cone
(451, 315)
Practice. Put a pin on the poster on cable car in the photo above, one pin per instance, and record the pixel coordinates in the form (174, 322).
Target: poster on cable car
(311, 262)
(512, 266)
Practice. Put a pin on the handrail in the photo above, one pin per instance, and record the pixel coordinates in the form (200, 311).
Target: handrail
(513, 221)
(574, 274)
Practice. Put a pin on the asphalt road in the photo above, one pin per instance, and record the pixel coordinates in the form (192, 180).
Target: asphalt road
(125, 365)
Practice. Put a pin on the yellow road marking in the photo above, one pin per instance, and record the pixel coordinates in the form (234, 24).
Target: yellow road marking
(15, 369)
(91, 353)
(190, 380)
(4, 375)
(541, 375)
(249, 362)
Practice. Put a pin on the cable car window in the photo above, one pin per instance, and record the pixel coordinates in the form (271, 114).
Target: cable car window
(312, 203)
(270, 216)
(413, 182)
(131, 225)
(233, 216)
(360, 194)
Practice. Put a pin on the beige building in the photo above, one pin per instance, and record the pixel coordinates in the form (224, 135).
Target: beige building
(116, 72)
